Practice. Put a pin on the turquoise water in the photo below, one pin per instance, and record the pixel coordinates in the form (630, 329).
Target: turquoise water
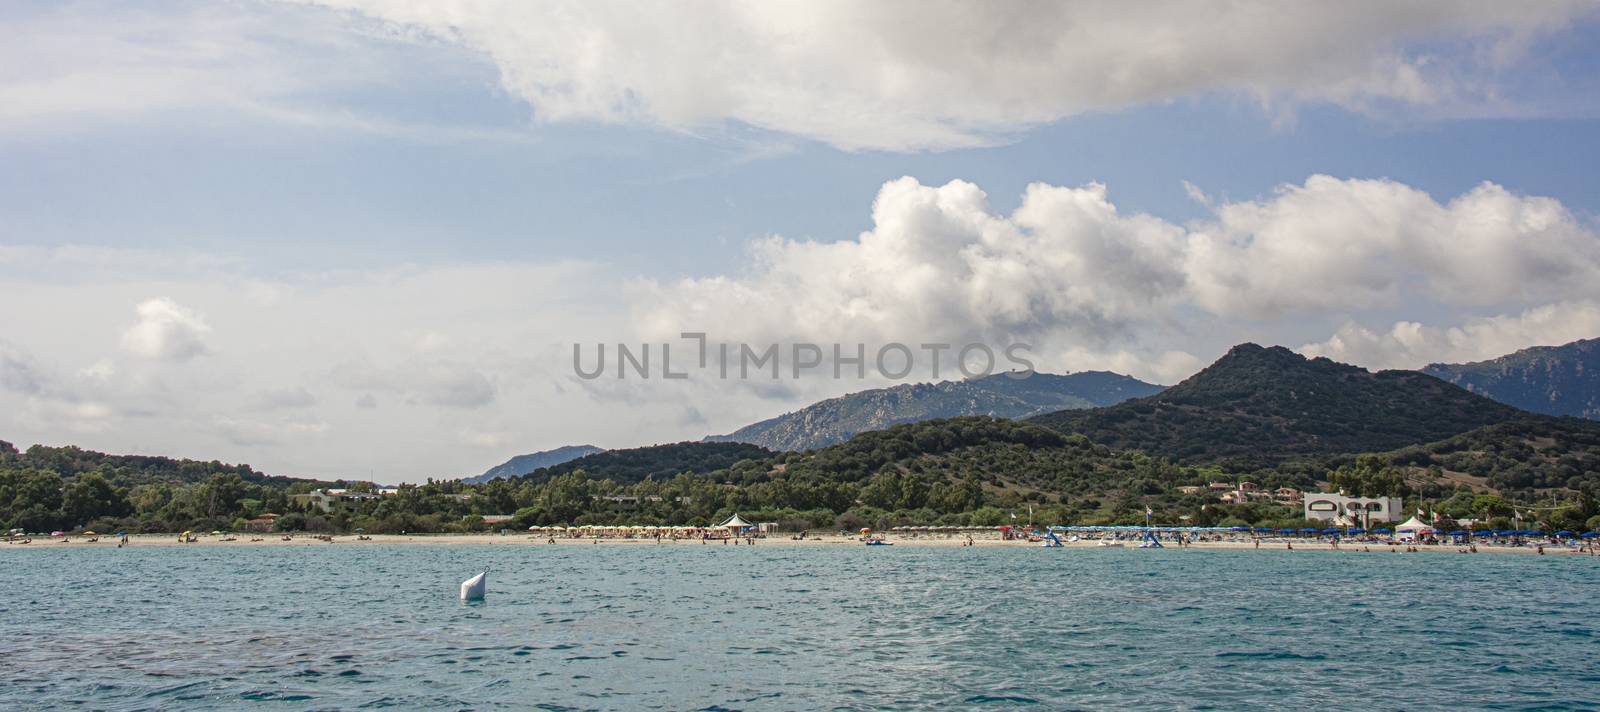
(690, 626)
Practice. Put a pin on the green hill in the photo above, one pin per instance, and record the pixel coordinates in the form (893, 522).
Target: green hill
(653, 462)
(1256, 407)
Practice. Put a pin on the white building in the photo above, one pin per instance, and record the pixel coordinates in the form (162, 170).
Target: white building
(1356, 510)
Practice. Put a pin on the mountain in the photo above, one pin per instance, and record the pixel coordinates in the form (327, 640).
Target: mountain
(1000, 395)
(1257, 407)
(1553, 380)
(524, 464)
(656, 461)
(986, 451)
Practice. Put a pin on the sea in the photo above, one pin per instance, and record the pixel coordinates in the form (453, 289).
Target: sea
(715, 627)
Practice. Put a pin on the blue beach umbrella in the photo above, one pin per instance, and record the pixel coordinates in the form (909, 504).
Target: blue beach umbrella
(1330, 531)
(1285, 531)
(1563, 533)
(1590, 535)
(1458, 532)
(1380, 531)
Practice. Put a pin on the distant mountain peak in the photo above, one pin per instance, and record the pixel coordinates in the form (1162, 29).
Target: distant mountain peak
(1553, 380)
(1003, 395)
(524, 464)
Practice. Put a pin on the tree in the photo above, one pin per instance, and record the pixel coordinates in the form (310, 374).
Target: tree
(1370, 476)
(91, 496)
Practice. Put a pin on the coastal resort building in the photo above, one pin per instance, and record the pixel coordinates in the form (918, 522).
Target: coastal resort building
(1325, 506)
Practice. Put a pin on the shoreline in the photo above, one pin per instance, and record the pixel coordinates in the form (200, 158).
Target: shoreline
(276, 540)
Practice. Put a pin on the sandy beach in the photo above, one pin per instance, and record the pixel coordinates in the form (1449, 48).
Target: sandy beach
(277, 540)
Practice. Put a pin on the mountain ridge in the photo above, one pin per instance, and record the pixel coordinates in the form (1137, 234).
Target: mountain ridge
(1559, 380)
(835, 420)
(524, 464)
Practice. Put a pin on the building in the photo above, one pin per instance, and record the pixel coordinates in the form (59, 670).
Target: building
(263, 523)
(327, 500)
(1355, 510)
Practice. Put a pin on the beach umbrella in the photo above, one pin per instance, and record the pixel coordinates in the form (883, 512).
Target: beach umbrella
(88, 533)
(864, 530)
(1458, 532)
(1285, 531)
(1590, 535)
(58, 533)
(1308, 530)
(1560, 533)
(1380, 531)
(1330, 531)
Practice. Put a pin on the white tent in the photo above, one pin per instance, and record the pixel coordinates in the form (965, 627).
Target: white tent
(735, 522)
(1414, 527)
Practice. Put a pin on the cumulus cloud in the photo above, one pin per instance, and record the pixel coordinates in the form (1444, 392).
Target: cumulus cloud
(1087, 283)
(1409, 344)
(939, 265)
(166, 330)
(915, 75)
(1354, 244)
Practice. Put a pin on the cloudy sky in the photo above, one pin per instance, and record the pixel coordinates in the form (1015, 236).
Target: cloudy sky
(359, 238)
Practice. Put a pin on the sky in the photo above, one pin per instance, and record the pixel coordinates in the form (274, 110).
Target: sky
(360, 239)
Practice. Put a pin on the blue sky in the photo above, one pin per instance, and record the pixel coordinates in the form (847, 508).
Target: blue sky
(300, 233)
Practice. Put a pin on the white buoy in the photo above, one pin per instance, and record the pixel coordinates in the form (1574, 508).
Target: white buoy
(472, 589)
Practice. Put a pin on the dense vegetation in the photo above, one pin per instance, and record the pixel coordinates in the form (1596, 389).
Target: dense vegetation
(1553, 380)
(838, 419)
(1519, 457)
(1259, 407)
(658, 461)
(49, 488)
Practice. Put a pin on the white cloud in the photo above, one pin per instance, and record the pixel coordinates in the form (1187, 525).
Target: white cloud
(939, 266)
(1409, 344)
(1087, 284)
(166, 330)
(1355, 244)
(915, 75)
